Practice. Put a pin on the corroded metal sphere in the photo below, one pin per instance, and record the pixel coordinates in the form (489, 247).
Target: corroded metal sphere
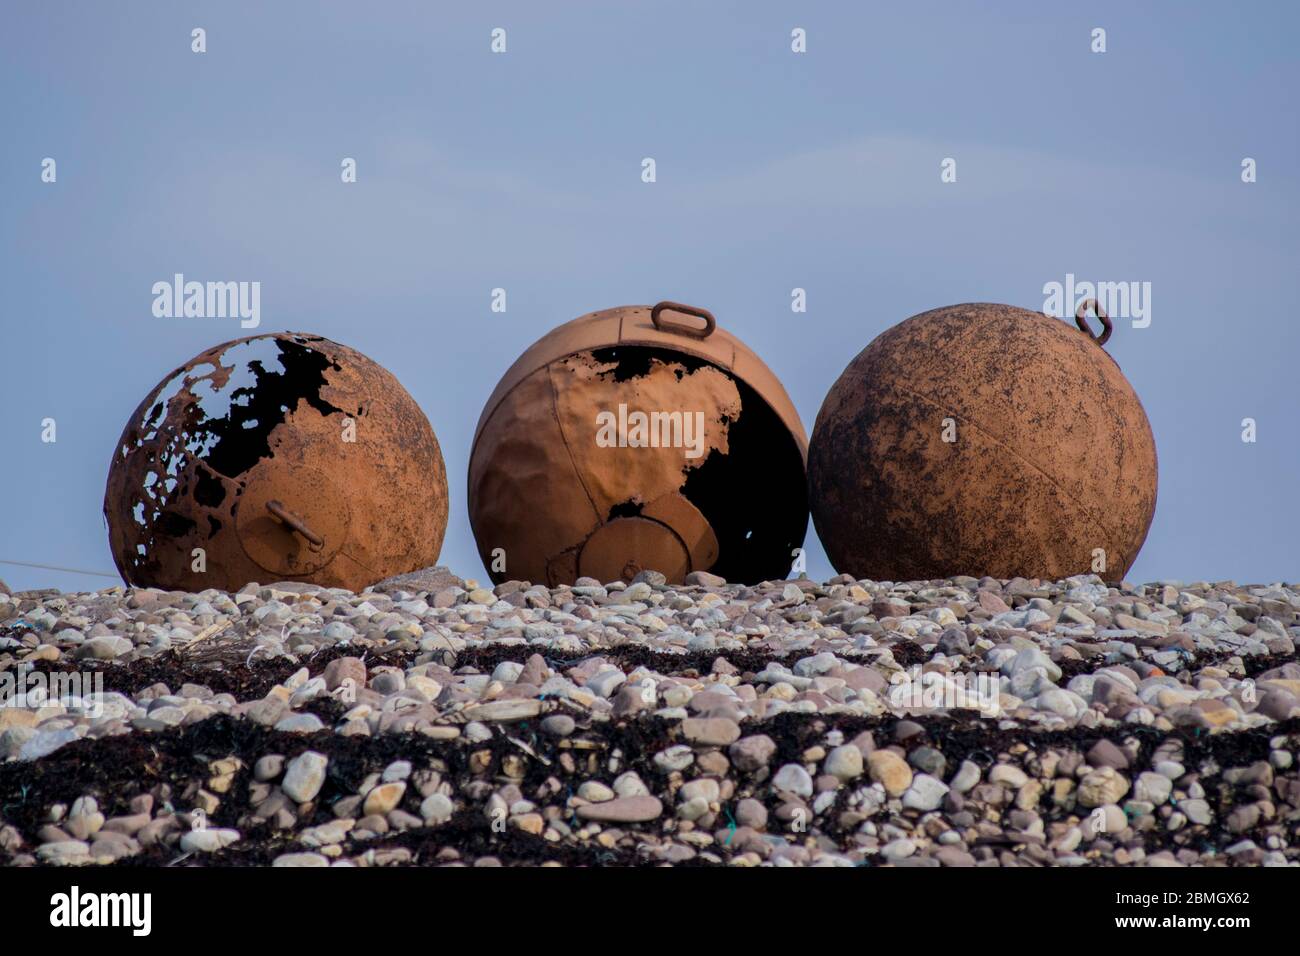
(638, 439)
(982, 440)
(282, 457)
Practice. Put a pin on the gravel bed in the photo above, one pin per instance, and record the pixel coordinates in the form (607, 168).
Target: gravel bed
(431, 720)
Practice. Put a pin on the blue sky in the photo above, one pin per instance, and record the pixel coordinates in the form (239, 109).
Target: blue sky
(774, 171)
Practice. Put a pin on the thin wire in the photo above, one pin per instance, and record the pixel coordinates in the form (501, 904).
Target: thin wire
(54, 567)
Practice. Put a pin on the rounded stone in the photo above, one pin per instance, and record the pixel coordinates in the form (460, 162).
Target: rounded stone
(305, 776)
(926, 793)
(636, 809)
(890, 771)
(558, 725)
(710, 731)
(751, 813)
(1102, 786)
(437, 808)
(752, 752)
(793, 778)
(844, 763)
(383, 798)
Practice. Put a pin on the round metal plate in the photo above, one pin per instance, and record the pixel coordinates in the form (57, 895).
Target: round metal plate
(627, 546)
(309, 494)
(686, 521)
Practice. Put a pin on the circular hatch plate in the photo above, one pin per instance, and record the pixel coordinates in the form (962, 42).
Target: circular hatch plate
(305, 492)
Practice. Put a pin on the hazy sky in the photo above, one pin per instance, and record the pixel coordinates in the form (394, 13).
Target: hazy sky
(522, 170)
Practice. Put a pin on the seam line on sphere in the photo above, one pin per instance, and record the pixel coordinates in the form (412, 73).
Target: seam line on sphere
(568, 449)
(344, 552)
(1017, 454)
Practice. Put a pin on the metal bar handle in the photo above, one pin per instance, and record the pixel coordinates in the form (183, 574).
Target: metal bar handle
(710, 323)
(1080, 319)
(287, 517)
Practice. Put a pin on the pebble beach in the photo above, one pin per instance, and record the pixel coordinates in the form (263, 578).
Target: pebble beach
(437, 721)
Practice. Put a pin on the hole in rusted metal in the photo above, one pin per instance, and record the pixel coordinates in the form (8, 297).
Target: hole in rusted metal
(213, 420)
(625, 509)
(755, 495)
(208, 489)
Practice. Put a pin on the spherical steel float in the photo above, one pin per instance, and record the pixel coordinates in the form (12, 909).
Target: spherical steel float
(275, 458)
(635, 439)
(979, 440)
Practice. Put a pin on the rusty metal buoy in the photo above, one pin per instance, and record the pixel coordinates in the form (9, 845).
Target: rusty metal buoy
(635, 439)
(979, 440)
(274, 458)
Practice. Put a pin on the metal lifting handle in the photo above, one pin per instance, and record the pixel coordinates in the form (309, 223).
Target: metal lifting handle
(710, 323)
(1080, 318)
(287, 517)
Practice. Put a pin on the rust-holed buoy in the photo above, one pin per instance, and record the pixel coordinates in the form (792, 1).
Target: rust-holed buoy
(275, 457)
(637, 439)
(979, 440)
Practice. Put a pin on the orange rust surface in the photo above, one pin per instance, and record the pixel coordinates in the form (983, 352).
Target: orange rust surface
(550, 485)
(631, 325)
(1053, 457)
(541, 487)
(185, 476)
(613, 475)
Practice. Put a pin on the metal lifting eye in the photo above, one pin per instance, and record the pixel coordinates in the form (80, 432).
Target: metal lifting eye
(1081, 319)
(287, 517)
(710, 323)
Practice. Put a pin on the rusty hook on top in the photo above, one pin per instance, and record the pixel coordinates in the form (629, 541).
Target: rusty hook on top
(710, 323)
(287, 517)
(1081, 320)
